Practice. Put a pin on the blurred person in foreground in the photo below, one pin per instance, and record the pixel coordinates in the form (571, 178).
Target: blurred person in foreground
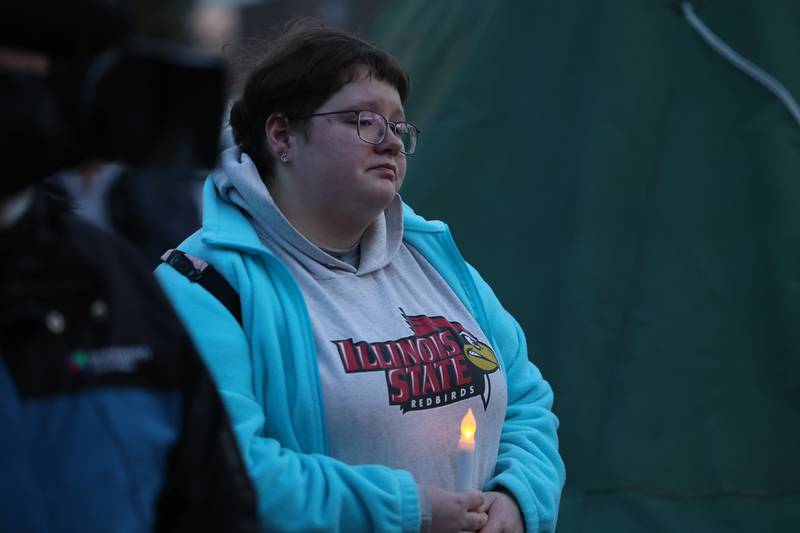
(110, 420)
(361, 337)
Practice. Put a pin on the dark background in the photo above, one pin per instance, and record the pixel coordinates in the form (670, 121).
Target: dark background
(634, 200)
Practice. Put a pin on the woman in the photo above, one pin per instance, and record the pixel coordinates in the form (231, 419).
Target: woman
(364, 336)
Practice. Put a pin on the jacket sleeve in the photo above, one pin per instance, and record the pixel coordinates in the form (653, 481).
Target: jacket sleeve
(528, 463)
(296, 491)
(222, 498)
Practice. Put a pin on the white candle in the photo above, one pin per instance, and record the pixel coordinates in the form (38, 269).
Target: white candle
(465, 458)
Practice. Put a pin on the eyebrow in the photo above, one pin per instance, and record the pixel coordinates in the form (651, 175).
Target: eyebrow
(373, 105)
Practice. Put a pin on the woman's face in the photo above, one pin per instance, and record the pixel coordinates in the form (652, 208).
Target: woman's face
(341, 178)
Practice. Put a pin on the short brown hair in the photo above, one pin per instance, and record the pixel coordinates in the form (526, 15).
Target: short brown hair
(303, 67)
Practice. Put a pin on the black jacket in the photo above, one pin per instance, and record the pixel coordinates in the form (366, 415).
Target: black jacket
(110, 420)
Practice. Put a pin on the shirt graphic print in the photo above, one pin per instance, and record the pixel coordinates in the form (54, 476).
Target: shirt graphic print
(439, 363)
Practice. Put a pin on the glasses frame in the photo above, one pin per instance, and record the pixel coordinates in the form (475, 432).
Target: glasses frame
(389, 124)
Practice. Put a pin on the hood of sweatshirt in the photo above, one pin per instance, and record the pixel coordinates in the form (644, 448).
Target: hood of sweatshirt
(237, 181)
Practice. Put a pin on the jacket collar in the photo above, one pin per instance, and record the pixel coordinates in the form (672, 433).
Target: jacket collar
(414, 222)
(225, 225)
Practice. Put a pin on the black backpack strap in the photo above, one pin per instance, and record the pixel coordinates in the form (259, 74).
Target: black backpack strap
(198, 271)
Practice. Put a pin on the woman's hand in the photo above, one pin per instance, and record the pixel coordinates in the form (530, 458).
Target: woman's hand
(503, 513)
(453, 512)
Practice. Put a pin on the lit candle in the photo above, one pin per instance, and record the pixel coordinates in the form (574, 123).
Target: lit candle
(465, 460)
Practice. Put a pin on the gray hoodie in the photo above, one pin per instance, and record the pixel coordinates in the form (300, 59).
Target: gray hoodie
(390, 336)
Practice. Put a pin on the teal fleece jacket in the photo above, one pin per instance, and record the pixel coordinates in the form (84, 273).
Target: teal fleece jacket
(267, 374)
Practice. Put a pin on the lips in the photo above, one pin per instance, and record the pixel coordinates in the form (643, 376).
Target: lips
(386, 168)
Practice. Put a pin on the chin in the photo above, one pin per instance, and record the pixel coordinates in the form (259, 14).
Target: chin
(369, 208)
(383, 192)
(386, 199)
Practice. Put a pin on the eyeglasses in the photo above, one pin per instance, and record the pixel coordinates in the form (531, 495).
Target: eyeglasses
(371, 128)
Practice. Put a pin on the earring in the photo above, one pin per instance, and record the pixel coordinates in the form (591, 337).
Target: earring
(284, 157)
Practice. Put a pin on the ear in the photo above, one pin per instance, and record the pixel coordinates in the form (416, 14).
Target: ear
(276, 130)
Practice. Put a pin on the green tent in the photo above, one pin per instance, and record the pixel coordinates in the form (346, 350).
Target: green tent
(634, 200)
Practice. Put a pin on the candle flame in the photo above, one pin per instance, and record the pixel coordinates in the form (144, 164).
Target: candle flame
(468, 427)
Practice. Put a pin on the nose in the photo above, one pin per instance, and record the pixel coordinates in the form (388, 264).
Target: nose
(391, 142)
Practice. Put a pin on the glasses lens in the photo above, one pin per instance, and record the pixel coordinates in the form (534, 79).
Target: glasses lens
(371, 127)
(407, 133)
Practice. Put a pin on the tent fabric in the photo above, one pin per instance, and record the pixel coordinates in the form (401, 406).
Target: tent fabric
(634, 200)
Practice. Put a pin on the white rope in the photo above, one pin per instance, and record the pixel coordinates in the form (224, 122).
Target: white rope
(749, 68)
